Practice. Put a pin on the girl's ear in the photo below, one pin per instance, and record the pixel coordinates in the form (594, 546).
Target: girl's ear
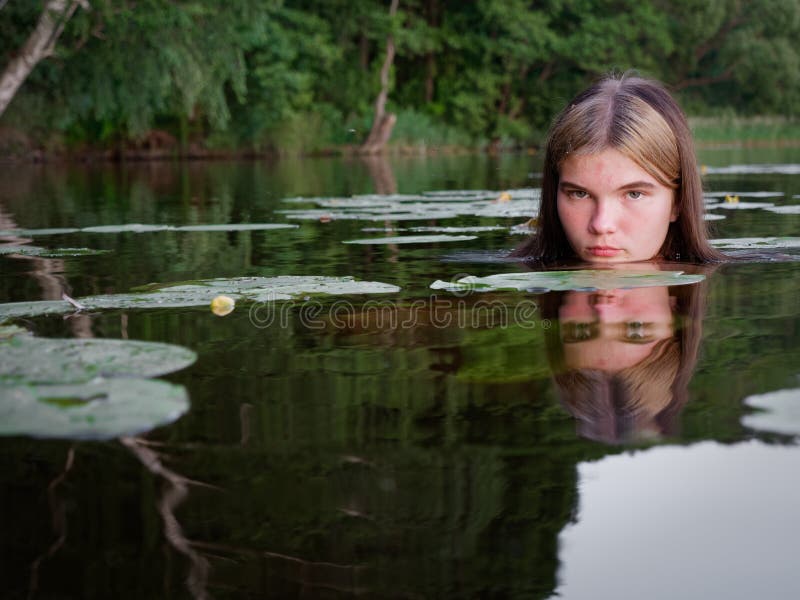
(675, 211)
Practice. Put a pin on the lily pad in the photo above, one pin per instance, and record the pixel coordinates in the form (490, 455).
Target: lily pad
(585, 280)
(717, 195)
(779, 412)
(140, 228)
(743, 205)
(50, 252)
(413, 239)
(32, 360)
(129, 228)
(793, 209)
(432, 205)
(100, 410)
(202, 292)
(781, 169)
(237, 227)
(757, 243)
(37, 232)
(475, 229)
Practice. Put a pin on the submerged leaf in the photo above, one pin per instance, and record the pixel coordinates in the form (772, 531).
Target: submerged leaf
(587, 280)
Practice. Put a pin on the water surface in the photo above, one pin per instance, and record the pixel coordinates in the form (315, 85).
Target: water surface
(435, 459)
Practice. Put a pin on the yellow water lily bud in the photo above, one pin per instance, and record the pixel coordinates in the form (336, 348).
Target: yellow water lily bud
(731, 199)
(504, 197)
(222, 305)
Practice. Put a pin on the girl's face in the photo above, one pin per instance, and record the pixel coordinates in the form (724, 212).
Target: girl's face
(611, 209)
(612, 330)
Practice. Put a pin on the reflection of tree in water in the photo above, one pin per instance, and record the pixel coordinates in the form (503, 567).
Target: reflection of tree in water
(48, 274)
(175, 492)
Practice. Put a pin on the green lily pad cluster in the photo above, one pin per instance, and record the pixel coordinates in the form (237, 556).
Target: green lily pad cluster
(429, 205)
(585, 280)
(201, 292)
(140, 228)
(87, 388)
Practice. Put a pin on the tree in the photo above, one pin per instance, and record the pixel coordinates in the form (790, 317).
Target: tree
(383, 122)
(39, 46)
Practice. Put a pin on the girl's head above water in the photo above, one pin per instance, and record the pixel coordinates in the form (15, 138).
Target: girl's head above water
(620, 180)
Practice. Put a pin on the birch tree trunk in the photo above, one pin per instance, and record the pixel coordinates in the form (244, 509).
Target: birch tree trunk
(40, 45)
(383, 123)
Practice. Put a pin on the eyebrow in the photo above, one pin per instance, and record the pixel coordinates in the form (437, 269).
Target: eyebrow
(633, 185)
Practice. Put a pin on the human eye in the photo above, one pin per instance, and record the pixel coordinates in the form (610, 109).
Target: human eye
(637, 332)
(635, 194)
(577, 331)
(577, 194)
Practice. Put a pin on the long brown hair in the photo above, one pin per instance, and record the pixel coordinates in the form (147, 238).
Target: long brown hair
(640, 119)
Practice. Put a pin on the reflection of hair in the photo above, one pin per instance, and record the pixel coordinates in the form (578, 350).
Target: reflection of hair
(640, 119)
(613, 407)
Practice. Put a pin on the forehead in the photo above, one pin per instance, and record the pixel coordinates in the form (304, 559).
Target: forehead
(608, 166)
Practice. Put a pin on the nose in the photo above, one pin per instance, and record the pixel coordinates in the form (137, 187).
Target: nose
(604, 218)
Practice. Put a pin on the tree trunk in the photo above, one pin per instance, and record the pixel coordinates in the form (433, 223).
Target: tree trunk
(430, 74)
(383, 123)
(40, 45)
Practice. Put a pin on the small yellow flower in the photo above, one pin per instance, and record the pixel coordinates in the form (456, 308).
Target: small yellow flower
(222, 305)
(703, 169)
(731, 199)
(504, 197)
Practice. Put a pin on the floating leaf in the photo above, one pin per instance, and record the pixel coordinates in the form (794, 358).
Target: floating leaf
(758, 243)
(413, 239)
(717, 195)
(32, 360)
(785, 169)
(793, 209)
(140, 228)
(742, 205)
(129, 228)
(202, 292)
(238, 227)
(475, 229)
(37, 232)
(435, 205)
(13, 310)
(100, 410)
(24, 250)
(779, 412)
(588, 280)
(51, 252)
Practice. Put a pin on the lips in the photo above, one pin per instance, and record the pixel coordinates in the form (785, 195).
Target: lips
(607, 251)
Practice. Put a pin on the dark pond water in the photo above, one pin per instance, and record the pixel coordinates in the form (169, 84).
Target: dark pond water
(433, 455)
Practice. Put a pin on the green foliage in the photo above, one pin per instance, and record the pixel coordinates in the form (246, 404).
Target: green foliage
(299, 76)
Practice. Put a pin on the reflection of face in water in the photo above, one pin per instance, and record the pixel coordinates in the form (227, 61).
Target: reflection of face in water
(611, 330)
(620, 362)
